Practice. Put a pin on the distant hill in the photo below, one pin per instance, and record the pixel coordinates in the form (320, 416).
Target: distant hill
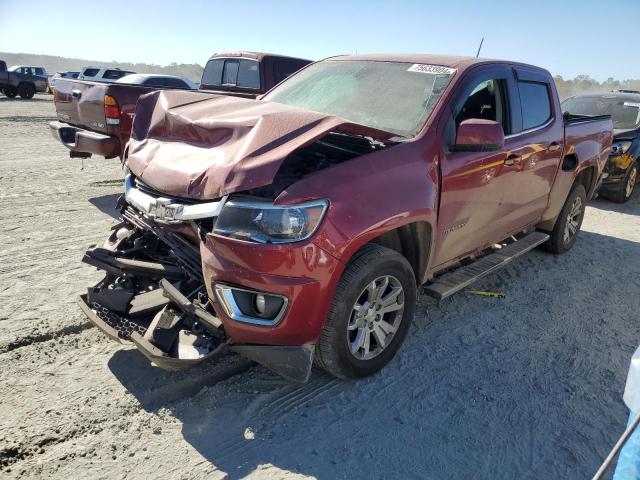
(577, 86)
(57, 64)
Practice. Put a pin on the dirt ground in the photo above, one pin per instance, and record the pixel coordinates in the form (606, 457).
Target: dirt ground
(525, 387)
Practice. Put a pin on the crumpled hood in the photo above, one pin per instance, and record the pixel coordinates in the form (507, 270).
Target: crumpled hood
(203, 146)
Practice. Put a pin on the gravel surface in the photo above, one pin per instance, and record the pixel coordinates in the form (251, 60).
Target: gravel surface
(528, 386)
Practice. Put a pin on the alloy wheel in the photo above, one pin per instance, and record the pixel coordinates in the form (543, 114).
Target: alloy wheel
(573, 220)
(631, 182)
(375, 317)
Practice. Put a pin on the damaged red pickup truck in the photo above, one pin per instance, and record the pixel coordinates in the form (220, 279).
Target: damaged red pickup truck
(299, 227)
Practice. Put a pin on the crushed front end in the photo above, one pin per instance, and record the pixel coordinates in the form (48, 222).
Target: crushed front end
(154, 294)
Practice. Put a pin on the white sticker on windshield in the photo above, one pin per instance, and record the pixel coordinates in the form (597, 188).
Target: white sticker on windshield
(435, 69)
(632, 104)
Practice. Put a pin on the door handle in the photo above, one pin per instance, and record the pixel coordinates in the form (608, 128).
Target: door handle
(75, 93)
(554, 147)
(511, 160)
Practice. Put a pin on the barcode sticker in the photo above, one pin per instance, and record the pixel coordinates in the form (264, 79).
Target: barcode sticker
(434, 69)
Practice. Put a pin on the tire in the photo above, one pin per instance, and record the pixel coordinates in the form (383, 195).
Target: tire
(627, 186)
(10, 92)
(564, 233)
(26, 91)
(336, 350)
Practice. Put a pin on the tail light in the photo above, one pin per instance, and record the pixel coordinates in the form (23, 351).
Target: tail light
(111, 110)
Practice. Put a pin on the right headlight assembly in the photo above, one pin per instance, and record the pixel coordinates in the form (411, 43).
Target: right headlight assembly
(620, 147)
(264, 222)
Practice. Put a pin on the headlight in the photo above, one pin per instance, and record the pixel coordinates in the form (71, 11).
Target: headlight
(620, 148)
(263, 222)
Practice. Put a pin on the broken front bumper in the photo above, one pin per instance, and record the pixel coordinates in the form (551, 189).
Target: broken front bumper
(141, 302)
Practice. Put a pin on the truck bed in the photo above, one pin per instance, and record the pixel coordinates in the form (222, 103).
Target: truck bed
(587, 147)
(80, 106)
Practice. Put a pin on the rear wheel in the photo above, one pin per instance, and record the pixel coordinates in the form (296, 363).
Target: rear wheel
(10, 92)
(370, 314)
(569, 221)
(26, 91)
(627, 185)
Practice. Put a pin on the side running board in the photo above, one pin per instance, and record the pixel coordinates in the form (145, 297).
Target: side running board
(454, 281)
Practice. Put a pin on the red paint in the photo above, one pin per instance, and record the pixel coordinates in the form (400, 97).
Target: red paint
(469, 200)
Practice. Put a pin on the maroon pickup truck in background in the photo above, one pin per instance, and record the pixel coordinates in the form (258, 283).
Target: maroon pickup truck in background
(298, 227)
(95, 117)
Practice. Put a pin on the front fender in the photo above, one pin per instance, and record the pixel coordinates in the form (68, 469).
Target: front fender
(371, 195)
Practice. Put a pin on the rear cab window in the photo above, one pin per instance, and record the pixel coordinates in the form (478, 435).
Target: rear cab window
(233, 72)
(114, 74)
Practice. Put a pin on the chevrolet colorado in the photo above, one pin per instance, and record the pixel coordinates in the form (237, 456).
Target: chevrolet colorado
(95, 117)
(298, 227)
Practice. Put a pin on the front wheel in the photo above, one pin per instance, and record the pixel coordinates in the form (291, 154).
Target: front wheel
(569, 221)
(627, 185)
(370, 314)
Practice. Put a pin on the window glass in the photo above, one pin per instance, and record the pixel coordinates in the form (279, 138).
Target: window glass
(114, 74)
(485, 102)
(282, 70)
(248, 74)
(39, 71)
(624, 110)
(395, 97)
(230, 72)
(90, 72)
(212, 74)
(535, 104)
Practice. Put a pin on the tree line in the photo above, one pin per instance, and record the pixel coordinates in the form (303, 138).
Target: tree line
(583, 84)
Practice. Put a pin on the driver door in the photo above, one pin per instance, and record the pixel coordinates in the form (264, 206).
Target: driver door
(469, 208)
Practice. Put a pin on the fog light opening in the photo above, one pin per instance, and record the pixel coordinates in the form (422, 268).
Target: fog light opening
(249, 306)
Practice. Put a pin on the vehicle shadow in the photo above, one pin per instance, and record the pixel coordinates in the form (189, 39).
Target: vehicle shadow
(107, 204)
(528, 386)
(32, 100)
(632, 207)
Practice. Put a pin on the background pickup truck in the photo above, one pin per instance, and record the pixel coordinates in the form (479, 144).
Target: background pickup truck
(95, 118)
(24, 84)
(300, 226)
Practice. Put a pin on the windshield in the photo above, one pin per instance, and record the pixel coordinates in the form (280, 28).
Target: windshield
(624, 113)
(391, 96)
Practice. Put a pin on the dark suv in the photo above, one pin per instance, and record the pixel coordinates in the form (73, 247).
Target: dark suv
(623, 168)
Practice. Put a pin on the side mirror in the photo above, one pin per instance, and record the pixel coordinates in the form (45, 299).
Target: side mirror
(477, 135)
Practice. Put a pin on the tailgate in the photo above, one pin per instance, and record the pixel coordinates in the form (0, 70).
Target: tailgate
(81, 103)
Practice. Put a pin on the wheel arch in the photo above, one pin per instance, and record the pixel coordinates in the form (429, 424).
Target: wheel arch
(588, 178)
(412, 241)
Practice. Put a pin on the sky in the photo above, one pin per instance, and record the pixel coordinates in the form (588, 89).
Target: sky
(568, 37)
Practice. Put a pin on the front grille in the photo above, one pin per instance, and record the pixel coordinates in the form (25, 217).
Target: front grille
(143, 187)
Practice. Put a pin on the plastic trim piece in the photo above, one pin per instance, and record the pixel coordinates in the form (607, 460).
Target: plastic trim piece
(224, 293)
(167, 209)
